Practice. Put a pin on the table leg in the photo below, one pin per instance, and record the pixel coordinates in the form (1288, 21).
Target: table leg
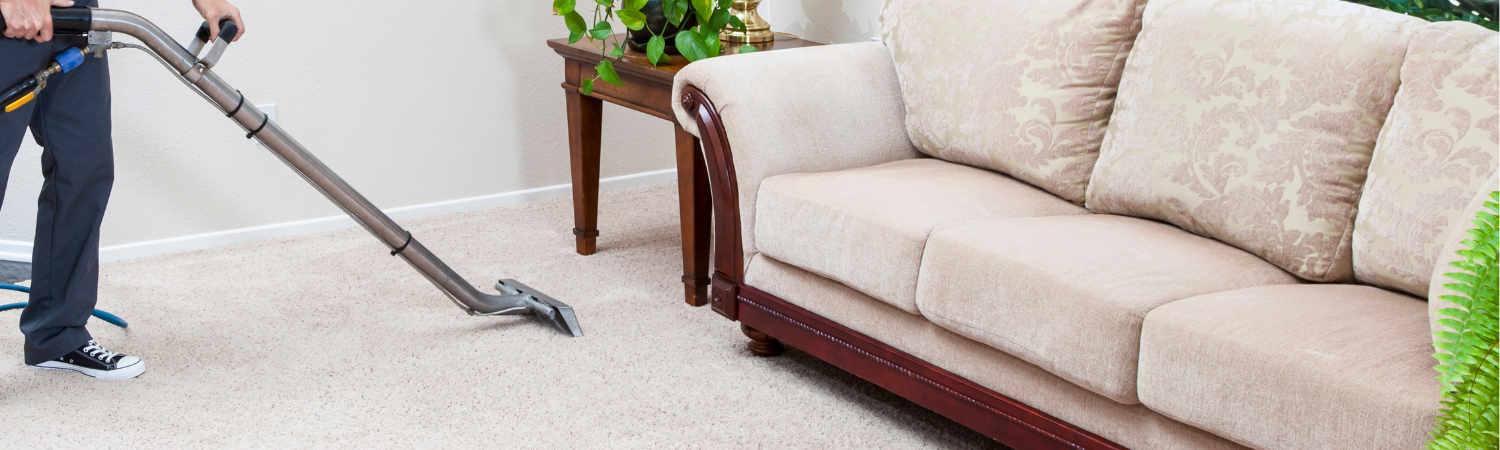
(697, 214)
(584, 114)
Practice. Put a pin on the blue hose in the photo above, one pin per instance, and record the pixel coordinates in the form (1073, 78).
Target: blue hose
(107, 317)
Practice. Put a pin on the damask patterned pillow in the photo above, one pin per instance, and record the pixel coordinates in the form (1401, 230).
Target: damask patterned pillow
(1023, 87)
(1440, 143)
(1252, 122)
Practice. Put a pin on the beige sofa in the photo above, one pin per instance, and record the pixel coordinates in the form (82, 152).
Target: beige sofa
(1110, 223)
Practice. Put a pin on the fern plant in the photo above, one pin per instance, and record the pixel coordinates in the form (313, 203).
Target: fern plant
(1481, 12)
(1468, 353)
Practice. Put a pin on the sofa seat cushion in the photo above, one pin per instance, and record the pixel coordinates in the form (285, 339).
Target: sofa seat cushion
(1069, 293)
(866, 227)
(1295, 367)
(1252, 122)
(1132, 426)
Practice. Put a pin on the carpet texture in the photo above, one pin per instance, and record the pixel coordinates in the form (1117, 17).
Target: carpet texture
(327, 341)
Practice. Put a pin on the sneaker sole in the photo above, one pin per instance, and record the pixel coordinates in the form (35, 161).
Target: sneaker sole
(123, 373)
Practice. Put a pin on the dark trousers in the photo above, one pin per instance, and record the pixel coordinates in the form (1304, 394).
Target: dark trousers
(70, 120)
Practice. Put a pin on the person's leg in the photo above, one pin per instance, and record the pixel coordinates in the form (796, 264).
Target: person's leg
(22, 59)
(72, 124)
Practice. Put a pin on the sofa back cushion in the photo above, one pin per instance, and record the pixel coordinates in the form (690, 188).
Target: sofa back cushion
(1439, 145)
(1482, 201)
(1023, 87)
(1252, 122)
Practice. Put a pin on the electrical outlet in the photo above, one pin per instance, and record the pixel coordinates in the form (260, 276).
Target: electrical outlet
(269, 109)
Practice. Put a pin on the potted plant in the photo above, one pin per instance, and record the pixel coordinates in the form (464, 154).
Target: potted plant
(692, 26)
(1481, 12)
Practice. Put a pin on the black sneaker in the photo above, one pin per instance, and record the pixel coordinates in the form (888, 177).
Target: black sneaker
(95, 361)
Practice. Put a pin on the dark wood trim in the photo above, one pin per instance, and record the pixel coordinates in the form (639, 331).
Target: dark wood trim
(1001, 418)
(696, 213)
(767, 319)
(761, 344)
(729, 262)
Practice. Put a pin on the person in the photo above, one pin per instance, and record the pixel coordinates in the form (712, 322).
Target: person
(70, 120)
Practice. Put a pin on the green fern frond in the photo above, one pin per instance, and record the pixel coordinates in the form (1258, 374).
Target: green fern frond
(1469, 352)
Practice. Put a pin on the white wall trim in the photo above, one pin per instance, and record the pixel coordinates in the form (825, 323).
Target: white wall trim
(21, 251)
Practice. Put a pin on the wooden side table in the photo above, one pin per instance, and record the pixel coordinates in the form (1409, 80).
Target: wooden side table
(649, 90)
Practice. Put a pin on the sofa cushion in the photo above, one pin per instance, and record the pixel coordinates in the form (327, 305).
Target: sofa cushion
(865, 227)
(1019, 86)
(1068, 293)
(1252, 122)
(1295, 367)
(1438, 146)
(1132, 426)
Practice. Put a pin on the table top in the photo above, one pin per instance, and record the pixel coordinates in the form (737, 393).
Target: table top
(636, 62)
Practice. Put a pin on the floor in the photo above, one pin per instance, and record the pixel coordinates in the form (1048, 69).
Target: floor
(326, 340)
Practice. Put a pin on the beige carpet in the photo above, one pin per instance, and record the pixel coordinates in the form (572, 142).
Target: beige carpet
(327, 341)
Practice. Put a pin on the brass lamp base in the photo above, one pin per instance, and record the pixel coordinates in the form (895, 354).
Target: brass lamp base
(756, 28)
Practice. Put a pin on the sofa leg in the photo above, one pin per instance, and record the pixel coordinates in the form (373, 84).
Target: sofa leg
(761, 344)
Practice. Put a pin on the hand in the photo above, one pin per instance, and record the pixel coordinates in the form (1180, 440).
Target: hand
(30, 19)
(217, 10)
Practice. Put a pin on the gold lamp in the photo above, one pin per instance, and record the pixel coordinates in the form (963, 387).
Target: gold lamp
(756, 29)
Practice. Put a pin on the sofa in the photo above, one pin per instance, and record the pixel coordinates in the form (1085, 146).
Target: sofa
(1154, 224)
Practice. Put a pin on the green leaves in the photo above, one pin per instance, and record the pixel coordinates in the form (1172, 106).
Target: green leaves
(719, 20)
(747, 48)
(675, 10)
(1442, 10)
(690, 46)
(705, 9)
(576, 26)
(696, 42)
(656, 50)
(1469, 351)
(606, 71)
(711, 43)
(602, 30)
(634, 20)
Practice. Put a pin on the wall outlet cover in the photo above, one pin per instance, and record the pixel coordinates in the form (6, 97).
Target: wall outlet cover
(269, 109)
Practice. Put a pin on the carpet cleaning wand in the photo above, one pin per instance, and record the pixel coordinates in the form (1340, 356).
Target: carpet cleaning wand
(194, 71)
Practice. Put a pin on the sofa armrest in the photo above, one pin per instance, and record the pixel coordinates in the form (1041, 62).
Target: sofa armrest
(810, 109)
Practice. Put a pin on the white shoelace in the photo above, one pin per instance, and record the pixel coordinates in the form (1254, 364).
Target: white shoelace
(99, 353)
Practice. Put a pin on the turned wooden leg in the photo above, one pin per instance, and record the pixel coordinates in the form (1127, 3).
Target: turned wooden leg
(584, 114)
(696, 207)
(761, 344)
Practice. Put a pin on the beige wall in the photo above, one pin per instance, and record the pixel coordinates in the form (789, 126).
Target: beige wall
(411, 102)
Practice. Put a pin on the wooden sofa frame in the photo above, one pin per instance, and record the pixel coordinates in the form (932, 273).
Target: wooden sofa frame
(768, 321)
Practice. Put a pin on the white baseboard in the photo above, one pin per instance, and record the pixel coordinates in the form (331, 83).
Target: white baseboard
(21, 251)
